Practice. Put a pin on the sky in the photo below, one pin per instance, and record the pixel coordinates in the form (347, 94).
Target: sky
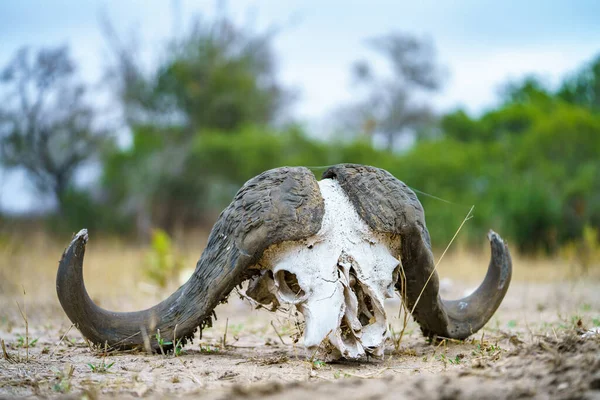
(480, 43)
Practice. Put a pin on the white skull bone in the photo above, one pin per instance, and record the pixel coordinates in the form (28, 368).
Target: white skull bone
(338, 279)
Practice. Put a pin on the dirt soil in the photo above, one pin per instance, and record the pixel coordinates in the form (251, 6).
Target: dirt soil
(540, 344)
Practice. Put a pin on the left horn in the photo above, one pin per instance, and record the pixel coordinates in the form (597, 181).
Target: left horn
(278, 205)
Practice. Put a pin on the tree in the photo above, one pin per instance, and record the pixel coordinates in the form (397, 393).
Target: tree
(528, 90)
(46, 125)
(218, 76)
(390, 106)
(216, 79)
(459, 126)
(583, 88)
(540, 168)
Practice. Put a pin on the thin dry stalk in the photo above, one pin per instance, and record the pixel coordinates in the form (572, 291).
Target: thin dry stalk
(367, 376)
(24, 315)
(7, 356)
(312, 357)
(442, 342)
(88, 343)
(468, 217)
(146, 340)
(482, 336)
(225, 334)
(255, 303)
(275, 329)
(61, 339)
(175, 335)
(313, 374)
(159, 339)
(105, 352)
(176, 347)
(279, 311)
(404, 307)
(116, 345)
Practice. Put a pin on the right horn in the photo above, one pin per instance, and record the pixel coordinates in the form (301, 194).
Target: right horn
(387, 205)
(471, 313)
(456, 319)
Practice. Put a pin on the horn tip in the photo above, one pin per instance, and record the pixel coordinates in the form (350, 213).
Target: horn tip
(493, 236)
(79, 241)
(82, 235)
(501, 259)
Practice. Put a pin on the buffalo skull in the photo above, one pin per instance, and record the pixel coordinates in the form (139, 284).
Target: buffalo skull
(334, 248)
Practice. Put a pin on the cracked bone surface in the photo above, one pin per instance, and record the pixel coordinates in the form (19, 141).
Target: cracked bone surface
(338, 279)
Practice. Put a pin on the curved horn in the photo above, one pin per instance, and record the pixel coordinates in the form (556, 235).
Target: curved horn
(456, 319)
(277, 205)
(471, 313)
(389, 206)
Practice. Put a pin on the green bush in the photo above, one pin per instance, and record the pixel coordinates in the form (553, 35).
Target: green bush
(530, 167)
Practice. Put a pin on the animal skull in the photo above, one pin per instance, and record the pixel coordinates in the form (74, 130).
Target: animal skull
(333, 249)
(338, 279)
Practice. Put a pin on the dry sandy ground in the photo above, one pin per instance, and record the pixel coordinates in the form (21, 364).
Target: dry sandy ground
(535, 347)
(532, 348)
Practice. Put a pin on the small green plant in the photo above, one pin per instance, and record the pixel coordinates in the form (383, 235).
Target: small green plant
(63, 379)
(493, 348)
(442, 357)
(22, 342)
(208, 349)
(486, 349)
(162, 342)
(163, 264)
(512, 323)
(318, 364)
(456, 360)
(101, 367)
(340, 374)
(178, 349)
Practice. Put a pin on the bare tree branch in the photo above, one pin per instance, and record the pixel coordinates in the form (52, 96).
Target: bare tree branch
(46, 125)
(390, 107)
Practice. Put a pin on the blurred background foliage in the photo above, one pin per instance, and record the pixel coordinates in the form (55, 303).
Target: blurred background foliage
(212, 115)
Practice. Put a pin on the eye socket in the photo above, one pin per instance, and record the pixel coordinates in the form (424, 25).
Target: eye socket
(288, 285)
(395, 279)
